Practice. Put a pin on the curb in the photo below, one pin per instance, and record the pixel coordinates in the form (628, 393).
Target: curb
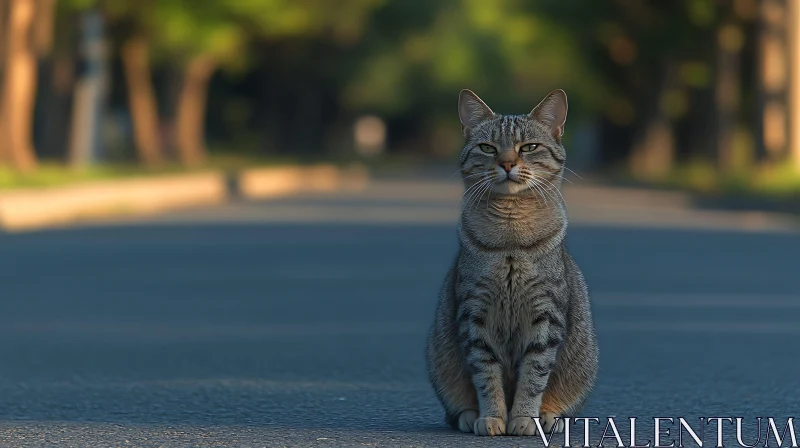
(31, 209)
(263, 183)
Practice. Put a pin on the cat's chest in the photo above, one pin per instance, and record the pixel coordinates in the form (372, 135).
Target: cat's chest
(508, 285)
(513, 292)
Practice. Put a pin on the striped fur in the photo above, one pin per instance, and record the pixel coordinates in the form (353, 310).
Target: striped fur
(513, 336)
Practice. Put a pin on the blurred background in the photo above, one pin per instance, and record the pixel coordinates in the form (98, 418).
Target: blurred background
(701, 94)
(302, 155)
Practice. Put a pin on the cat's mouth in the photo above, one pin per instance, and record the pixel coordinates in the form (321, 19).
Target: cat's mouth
(508, 181)
(510, 178)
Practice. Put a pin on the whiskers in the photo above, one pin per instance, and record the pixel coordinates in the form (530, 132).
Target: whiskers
(457, 171)
(473, 195)
(573, 172)
(559, 175)
(548, 173)
(542, 187)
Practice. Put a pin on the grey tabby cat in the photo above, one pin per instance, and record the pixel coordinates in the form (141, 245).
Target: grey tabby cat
(513, 337)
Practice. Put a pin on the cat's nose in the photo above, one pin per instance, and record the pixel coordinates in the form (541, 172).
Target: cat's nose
(508, 165)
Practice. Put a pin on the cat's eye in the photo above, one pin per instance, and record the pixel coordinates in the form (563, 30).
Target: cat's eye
(488, 149)
(530, 147)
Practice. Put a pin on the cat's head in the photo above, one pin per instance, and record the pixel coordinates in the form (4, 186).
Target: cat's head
(513, 154)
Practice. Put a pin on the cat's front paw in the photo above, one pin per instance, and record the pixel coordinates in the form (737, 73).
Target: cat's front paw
(466, 420)
(521, 426)
(489, 426)
(549, 420)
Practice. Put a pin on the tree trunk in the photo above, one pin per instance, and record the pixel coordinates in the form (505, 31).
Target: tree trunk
(653, 152)
(190, 126)
(20, 86)
(142, 100)
(4, 156)
(773, 79)
(794, 83)
(44, 25)
(59, 71)
(3, 34)
(730, 40)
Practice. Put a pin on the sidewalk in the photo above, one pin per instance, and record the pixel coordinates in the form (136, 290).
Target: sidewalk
(36, 208)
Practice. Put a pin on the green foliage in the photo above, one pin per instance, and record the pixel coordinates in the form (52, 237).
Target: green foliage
(183, 29)
(50, 174)
(77, 5)
(276, 19)
(508, 55)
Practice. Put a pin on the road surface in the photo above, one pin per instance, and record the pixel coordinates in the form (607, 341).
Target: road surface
(301, 322)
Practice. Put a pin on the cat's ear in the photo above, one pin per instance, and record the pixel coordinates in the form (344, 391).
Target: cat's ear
(552, 112)
(472, 111)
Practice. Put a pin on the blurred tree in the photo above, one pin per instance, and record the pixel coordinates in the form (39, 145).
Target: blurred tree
(44, 26)
(423, 53)
(197, 38)
(133, 21)
(4, 150)
(130, 25)
(19, 85)
(26, 35)
(660, 61)
(773, 79)
(58, 76)
(135, 53)
(793, 18)
(203, 37)
(633, 46)
(730, 44)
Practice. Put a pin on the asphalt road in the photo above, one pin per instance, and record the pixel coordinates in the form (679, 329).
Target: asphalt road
(301, 322)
